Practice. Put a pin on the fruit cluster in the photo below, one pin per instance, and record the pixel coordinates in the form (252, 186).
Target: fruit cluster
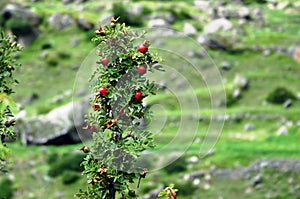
(119, 85)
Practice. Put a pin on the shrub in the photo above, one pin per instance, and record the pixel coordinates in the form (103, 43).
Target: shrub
(177, 166)
(280, 95)
(185, 189)
(52, 59)
(119, 9)
(69, 177)
(53, 157)
(6, 191)
(19, 27)
(68, 162)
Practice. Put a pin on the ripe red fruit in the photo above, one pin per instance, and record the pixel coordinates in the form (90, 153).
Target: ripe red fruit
(138, 95)
(96, 107)
(104, 61)
(141, 70)
(92, 128)
(102, 91)
(142, 48)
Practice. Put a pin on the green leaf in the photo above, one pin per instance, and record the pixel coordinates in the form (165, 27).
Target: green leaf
(5, 101)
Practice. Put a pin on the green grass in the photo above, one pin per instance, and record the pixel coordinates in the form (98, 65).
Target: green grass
(235, 147)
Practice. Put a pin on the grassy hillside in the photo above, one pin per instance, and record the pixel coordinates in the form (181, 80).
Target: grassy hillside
(262, 54)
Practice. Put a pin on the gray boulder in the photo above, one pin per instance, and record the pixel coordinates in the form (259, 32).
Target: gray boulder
(26, 35)
(202, 5)
(217, 25)
(62, 125)
(189, 29)
(241, 81)
(157, 23)
(60, 21)
(83, 24)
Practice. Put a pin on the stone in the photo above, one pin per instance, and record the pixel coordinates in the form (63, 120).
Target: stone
(189, 29)
(17, 12)
(257, 180)
(297, 4)
(136, 9)
(62, 125)
(283, 130)
(84, 25)
(288, 103)
(60, 21)
(266, 52)
(296, 52)
(298, 96)
(282, 5)
(196, 181)
(193, 159)
(153, 193)
(157, 23)
(225, 65)
(236, 93)
(30, 98)
(202, 5)
(74, 42)
(249, 127)
(67, 1)
(211, 43)
(241, 81)
(217, 25)
(244, 13)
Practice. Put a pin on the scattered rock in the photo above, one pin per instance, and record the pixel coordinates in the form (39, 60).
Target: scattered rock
(60, 21)
(57, 99)
(193, 159)
(211, 43)
(74, 42)
(282, 5)
(157, 23)
(244, 13)
(196, 181)
(84, 25)
(236, 94)
(296, 52)
(22, 13)
(257, 180)
(62, 125)
(297, 4)
(202, 5)
(283, 130)
(136, 9)
(249, 127)
(225, 65)
(154, 193)
(189, 29)
(241, 81)
(266, 52)
(67, 1)
(217, 25)
(298, 96)
(288, 103)
(30, 98)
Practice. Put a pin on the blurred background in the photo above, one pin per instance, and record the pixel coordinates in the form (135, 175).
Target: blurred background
(250, 47)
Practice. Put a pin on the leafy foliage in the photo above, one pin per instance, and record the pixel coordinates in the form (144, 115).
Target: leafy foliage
(69, 162)
(7, 66)
(69, 177)
(280, 95)
(6, 191)
(119, 89)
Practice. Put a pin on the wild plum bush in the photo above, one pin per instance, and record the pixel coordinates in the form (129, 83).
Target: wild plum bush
(7, 106)
(119, 86)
